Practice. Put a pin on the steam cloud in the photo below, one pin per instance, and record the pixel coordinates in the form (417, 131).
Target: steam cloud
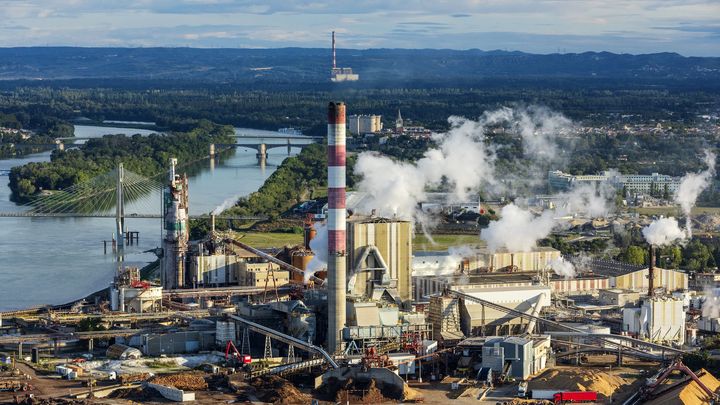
(517, 229)
(226, 204)
(691, 186)
(664, 232)
(447, 266)
(562, 267)
(711, 305)
(319, 246)
(462, 161)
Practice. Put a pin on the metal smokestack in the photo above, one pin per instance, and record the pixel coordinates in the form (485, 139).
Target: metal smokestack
(651, 272)
(336, 278)
(334, 64)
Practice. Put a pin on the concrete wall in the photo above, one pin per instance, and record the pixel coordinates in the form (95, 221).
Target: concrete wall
(173, 394)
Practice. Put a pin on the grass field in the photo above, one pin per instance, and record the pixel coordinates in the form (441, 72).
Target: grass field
(675, 211)
(270, 239)
(420, 242)
(442, 242)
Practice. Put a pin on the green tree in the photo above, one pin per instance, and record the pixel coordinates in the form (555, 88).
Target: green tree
(635, 255)
(696, 256)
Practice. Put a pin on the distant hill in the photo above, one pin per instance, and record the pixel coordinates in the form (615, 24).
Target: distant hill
(289, 65)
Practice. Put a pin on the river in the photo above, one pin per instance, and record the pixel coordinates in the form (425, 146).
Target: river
(56, 260)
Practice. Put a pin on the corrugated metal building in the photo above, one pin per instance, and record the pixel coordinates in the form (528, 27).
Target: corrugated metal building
(488, 261)
(523, 356)
(659, 319)
(672, 280)
(579, 285)
(178, 342)
(374, 243)
(477, 319)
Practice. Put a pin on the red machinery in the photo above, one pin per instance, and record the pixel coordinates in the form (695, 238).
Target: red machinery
(140, 284)
(231, 352)
(574, 397)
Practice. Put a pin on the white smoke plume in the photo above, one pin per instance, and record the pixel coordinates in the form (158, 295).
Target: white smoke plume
(664, 232)
(226, 204)
(517, 229)
(462, 161)
(691, 186)
(711, 305)
(587, 199)
(538, 126)
(319, 246)
(447, 266)
(562, 267)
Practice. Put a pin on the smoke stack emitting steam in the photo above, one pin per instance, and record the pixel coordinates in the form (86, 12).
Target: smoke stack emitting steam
(336, 224)
(667, 231)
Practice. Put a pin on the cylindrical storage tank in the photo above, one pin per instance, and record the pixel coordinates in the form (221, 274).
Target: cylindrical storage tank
(300, 259)
(114, 299)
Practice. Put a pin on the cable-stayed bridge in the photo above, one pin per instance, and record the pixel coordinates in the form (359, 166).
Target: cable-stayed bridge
(118, 194)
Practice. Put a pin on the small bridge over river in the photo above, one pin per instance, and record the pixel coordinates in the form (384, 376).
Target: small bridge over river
(260, 143)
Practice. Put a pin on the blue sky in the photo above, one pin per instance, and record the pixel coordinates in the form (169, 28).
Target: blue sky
(690, 27)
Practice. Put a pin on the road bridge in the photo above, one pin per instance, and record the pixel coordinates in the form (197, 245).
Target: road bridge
(263, 144)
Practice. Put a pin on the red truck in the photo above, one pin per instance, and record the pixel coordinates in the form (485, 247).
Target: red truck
(565, 397)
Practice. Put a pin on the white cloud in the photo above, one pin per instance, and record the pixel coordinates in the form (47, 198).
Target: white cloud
(528, 25)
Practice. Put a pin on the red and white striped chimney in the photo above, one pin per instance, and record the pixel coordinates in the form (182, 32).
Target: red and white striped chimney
(336, 225)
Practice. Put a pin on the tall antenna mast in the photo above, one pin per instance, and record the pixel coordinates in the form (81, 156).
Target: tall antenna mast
(333, 49)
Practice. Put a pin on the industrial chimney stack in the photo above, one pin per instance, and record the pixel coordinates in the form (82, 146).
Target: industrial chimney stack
(333, 52)
(336, 278)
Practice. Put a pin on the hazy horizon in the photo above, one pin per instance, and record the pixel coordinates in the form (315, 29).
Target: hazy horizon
(690, 28)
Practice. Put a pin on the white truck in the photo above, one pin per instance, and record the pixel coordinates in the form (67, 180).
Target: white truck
(543, 394)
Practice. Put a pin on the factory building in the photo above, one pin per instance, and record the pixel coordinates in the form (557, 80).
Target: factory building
(619, 297)
(379, 257)
(638, 280)
(262, 274)
(583, 284)
(215, 269)
(428, 284)
(365, 124)
(477, 319)
(484, 260)
(658, 319)
(444, 315)
(520, 357)
(633, 183)
(341, 74)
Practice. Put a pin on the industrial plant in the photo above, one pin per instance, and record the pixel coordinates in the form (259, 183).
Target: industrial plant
(354, 315)
(341, 74)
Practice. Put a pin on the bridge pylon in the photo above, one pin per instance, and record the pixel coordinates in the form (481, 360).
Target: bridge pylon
(262, 154)
(120, 208)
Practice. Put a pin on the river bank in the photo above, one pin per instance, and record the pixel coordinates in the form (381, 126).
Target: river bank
(58, 260)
